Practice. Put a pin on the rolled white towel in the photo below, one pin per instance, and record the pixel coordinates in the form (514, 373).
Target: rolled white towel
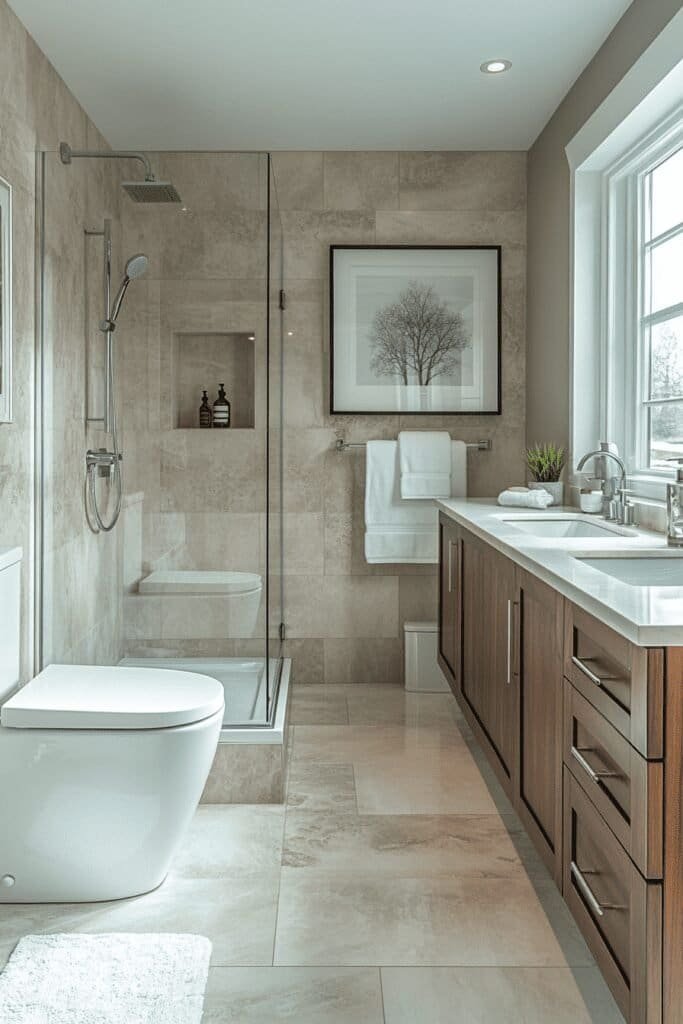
(525, 498)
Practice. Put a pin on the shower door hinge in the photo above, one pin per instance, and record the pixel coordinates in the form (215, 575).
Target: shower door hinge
(283, 631)
(283, 299)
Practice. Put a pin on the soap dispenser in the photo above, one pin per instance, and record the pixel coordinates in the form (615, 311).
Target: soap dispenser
(674, 511)
(205, 414)
(221, 409)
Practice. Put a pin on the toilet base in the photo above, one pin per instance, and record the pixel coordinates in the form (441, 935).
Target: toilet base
(94, 815)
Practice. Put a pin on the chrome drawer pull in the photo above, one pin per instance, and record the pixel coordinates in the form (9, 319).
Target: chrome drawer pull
(595, 773)
(508, 679)
(582, 667)
(450, 567)
(585, 888)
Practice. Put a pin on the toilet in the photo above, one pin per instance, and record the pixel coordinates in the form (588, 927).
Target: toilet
(101, 769)
(235, 595)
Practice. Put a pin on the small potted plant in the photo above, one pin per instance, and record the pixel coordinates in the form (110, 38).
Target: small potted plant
(545, 463)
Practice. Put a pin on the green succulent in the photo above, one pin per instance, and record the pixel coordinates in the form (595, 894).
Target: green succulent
(545, 462)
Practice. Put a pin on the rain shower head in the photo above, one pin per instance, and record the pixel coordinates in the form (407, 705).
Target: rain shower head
(148, 191)
(151, 191)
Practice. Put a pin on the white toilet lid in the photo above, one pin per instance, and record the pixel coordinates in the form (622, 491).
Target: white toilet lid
(112, 697)
(199, 581)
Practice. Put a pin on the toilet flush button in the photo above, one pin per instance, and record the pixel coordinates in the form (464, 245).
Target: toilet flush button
(7, 881)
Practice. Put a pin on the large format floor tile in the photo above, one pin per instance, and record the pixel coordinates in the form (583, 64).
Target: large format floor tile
(228, 839)
(421, 846)
(318, 705)
(427, 781)
(324, 918)
(237, 915)
(396, 849)
(330, 744)
(321, 787)
(300, 995)
(489, 995)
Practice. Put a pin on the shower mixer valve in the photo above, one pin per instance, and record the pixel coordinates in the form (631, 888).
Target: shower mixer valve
(103, 460)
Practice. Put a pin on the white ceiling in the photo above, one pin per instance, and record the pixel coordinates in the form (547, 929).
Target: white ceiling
(319, 74)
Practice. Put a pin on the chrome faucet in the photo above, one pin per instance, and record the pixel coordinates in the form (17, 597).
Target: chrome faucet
(619, 509)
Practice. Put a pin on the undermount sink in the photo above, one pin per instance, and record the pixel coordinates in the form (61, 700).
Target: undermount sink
(646, 569)
(559, 527)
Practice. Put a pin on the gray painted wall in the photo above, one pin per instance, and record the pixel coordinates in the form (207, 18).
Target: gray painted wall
(548, 218)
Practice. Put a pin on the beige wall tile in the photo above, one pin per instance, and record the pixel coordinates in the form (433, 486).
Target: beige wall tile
(245, 773)
(418, 598)
(299, 180)
(307, 237)
(369, 660)
(307, 660)
(447, 227)
(342, 606)
(463, 181)
(361, 181)
(303, 544)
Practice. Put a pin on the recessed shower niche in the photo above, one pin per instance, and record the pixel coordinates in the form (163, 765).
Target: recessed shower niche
(201, 362)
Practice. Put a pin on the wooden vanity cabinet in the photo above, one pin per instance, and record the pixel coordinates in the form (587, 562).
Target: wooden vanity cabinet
(488, 683)
(449, 601)
(584, 730)
(538, 799)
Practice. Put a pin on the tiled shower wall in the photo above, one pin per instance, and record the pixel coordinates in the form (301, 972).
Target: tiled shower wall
(81, 570)
(204, 503)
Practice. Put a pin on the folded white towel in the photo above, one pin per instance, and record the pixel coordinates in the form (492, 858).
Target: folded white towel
(538, 498)
(395, 530)
(458, 469)
(425, 462)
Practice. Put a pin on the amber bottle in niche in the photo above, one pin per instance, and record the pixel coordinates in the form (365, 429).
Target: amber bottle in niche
(221, 409)
(205, 414)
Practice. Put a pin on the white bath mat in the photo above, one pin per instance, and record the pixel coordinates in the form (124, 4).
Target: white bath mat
(105, 979)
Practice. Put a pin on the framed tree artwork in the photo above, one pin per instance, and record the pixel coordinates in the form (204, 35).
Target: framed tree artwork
(415, 329)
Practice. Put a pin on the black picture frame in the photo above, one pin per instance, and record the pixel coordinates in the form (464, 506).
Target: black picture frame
(334, 408)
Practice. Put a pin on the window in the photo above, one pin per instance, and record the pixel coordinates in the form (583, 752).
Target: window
(641, 392)
(660, 323)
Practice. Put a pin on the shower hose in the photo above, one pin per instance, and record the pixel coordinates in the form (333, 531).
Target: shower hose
(104, 460)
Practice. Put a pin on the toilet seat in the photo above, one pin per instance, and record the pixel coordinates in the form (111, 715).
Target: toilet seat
(112, 697)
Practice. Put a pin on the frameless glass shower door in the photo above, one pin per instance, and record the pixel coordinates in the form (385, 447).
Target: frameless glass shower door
(190, 575)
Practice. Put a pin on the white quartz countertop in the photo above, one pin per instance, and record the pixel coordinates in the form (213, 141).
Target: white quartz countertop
(647, 615)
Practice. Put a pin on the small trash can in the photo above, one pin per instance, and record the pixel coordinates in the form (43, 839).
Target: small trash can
(422, 672)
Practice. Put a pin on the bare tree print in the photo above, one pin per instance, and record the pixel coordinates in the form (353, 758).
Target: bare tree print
(417, 338)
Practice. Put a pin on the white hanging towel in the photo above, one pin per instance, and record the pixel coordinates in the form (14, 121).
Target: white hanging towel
(395, 530)
(425, 461)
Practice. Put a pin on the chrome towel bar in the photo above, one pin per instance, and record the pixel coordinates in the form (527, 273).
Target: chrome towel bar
(343, 446)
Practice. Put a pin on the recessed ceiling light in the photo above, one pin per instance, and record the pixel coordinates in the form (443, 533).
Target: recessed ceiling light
(495, 67)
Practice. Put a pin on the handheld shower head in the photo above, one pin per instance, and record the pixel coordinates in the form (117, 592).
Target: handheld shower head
(135, 267)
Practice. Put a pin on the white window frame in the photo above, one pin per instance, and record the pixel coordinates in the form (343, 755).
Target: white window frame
(622, 302)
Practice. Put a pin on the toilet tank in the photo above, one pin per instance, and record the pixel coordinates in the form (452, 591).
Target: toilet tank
(10, 636)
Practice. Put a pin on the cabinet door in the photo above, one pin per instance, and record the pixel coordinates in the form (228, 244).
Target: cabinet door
(540, 716)
(449, 614)
(488, 683)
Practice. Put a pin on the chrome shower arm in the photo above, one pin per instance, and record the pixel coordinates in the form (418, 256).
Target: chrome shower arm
(66, 154)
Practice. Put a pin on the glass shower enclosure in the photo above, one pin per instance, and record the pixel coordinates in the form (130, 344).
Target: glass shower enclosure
(190, 573)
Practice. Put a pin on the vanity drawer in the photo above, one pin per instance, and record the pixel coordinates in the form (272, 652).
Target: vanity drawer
(623, 681)
(626, 789)
(618, 912)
